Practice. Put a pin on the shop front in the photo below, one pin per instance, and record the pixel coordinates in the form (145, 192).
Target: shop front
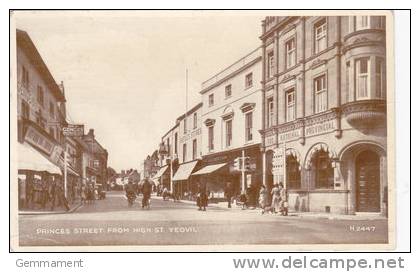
(40, 183)
(223, 167)
(185, 184)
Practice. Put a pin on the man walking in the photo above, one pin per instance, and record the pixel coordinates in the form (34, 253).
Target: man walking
(229, 193)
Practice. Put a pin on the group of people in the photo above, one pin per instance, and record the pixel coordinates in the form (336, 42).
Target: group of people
(144, 188)
(251, 198)
(278, 203)
(88, 193)
(41, 191)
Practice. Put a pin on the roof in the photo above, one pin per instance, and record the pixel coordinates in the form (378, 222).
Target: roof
(193, 109)
(24, 42)
(243, 63)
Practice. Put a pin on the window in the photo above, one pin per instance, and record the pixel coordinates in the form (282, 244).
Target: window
(320, 35)
(362, 22)
(211, 100)
(324, 173)
(362, 78)
(290, 105)
(292, 172)
(176, 143)
(228, 91)
(40, 96)
(270, 68)
(248, 80)
(248, 126)
(168, 147)
(270, 112)
(25, 77)
(228, 133)
(320, 90)
(290, 53)
(380, 78)
(184, 152)
(52, 112)
(25, 110)
(211, 138)
(194, 149)
(195, 120)
(52, 132)
(185, 125)
(40, 120)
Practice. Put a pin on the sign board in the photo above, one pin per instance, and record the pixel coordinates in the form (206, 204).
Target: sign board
(279, 162)
(36, 138)
(73, 130)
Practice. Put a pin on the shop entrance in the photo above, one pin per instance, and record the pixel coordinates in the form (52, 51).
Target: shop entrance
(368, 182)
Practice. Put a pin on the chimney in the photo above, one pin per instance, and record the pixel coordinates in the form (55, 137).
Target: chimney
(91, 133)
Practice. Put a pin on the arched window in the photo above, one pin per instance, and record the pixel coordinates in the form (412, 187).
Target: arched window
(292, 172)
(324, 173)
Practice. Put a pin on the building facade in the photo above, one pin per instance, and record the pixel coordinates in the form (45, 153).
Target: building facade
(324, 99)
(169, 160)
(231, 119)
(187, 148)
(41, 115)
(95, 161)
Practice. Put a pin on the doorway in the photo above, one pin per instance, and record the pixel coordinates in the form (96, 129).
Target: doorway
(368, 194)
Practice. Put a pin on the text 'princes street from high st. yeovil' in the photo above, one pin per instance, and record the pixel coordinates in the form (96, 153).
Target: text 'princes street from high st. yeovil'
(289, 138)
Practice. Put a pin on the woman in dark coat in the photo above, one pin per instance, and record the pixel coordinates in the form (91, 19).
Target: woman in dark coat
(202, 198)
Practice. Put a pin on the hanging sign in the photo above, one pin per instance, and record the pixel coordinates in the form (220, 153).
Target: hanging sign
(73, 130)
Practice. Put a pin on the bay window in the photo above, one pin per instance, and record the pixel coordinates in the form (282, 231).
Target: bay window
(362, 78)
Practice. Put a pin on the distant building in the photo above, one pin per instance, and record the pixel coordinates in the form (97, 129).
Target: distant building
(324, 97)
(151, 165)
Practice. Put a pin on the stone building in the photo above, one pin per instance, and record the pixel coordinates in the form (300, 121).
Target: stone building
(231, 119)
(187, 146)
(324, 98)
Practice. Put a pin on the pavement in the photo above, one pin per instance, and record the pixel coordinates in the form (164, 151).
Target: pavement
(112, 222)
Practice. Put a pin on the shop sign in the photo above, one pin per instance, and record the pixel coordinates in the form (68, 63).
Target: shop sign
(34, 137)
(279, 161)
(289, 135)
(190, 135)
(270, 140)
(73, 130)
(320, 128)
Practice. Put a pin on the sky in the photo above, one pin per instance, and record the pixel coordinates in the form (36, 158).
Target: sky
(125, 72)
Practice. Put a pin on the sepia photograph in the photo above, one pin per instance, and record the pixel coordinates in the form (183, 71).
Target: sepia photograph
(201, 130)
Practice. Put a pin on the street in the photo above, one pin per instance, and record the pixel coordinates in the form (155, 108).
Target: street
(112, 222)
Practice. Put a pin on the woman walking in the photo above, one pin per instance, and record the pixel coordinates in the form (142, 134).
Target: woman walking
(275, 203)
(262, 199)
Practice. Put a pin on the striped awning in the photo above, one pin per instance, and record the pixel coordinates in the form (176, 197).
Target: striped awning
(30, 159)
(184, 171)
(209, 169)
(161, 171)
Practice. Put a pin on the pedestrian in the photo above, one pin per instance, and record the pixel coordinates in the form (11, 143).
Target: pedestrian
(22, 191)
(275, 194)
(263, 198)
(284, 205)
(146, 190)
(229, 193)
(202, 198)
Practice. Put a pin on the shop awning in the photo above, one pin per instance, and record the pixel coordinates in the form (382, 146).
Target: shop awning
(184, 171)
(160, 172)
(70, 171)
(30, 159)
(209, 169)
